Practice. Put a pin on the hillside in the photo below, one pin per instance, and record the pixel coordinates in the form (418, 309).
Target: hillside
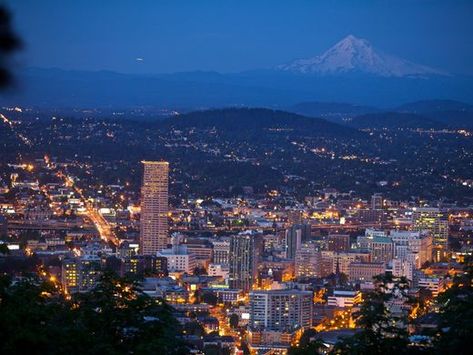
(427, 106)
(244, 120)
(332, 111)
(395, 120)
(455, 114)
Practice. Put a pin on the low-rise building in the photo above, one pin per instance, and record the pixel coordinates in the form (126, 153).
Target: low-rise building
(365, 271)
(344, 298)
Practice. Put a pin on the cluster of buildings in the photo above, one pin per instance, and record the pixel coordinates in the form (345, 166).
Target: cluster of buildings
(280, 270)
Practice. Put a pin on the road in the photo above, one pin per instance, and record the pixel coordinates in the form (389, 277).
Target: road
(101, 224)
(103, 227)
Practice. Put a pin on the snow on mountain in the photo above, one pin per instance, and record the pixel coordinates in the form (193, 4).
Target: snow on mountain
(354, 54)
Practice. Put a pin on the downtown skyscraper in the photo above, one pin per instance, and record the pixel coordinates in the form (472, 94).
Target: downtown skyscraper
(245, 251)
(435, 222)
(154, 207)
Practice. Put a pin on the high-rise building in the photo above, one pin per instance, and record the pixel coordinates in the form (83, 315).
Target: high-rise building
(371, 215)
(221, 250)
(376, 202)
(293, 241)
(245, 249)
(307, 260)
(154, 207)
(379, 245)
(434, 221)
(331, 262)
(403, 268)
(414, 247)
(294, 217)
(80, 274)
(280, 310)
(294, 237)
(338, 242)
(144, 264)
(179, 259)
(362, 271)
(3, 227)
(70, 275)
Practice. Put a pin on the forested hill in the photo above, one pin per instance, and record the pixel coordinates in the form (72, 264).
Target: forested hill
(240, 120)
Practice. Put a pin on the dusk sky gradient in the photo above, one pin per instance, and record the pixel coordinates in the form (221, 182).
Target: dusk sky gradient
(230, 36)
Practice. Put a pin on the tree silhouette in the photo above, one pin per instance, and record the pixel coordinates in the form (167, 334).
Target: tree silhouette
(9, 43)
(381, 330)
(114, 318)
(456, 314)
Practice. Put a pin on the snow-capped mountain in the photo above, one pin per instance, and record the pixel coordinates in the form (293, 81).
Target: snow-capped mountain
(354, 54)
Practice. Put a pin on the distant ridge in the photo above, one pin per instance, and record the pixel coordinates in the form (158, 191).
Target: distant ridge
(424, 106)
(395, 120)
(332, 111)
(453, 113)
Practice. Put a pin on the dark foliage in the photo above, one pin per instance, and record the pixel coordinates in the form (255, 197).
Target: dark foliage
(9, 43)
(456, 315)
(115, 318)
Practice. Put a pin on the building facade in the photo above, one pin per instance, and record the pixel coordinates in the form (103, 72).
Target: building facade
(154, 207)
(435, 222)
(280, 310)
(365, 271)
(245, 249)
(221, 250)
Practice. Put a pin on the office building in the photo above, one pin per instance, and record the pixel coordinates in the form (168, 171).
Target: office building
(221, 250)
(245, 250)
(154, 207)
(434, 284)
(218, 270)
(414, 247)
(293, 241)
(403, 268)
(280, 310)
(144, 264)
(344, 299)
(178, 259)
(3, 226)
(307, 260)
(377, 202)
(338, 242)
(435, 222)
(80, 274)
(294, 237)
(362, 271)
(379, 245)
(330, 262)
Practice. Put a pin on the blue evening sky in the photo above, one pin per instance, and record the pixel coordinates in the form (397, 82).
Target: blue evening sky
(228, 36)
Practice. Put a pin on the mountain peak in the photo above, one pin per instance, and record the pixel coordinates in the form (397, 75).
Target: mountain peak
(353, 41)
(353, 54)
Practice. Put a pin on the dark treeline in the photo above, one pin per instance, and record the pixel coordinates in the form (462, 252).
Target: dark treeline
(114, 318)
